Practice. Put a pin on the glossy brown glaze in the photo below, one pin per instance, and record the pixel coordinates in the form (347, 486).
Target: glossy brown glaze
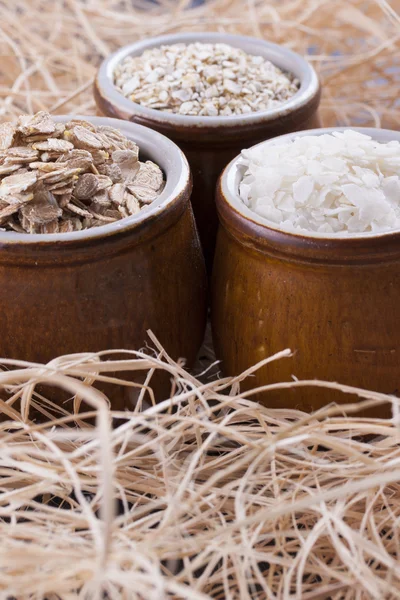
(209, 148)
(332, 301)
(106, 295)
(105, 292)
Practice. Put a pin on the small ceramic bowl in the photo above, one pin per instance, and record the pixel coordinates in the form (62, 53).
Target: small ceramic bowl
(332, 300)
(104, 287)
(211, 142)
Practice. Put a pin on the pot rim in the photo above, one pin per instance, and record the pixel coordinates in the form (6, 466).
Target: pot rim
(156, 147)
(228, 192)
(277, 54)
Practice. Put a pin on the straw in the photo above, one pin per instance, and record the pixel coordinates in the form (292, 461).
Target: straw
(51, 49)
(215, 495)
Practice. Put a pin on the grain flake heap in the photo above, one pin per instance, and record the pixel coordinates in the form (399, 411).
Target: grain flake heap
(343, 183)
(203, 80)
(57, 178)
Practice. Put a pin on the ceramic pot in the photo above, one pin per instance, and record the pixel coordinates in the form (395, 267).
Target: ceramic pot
(104, 287)
(332, 300)
(209, 143)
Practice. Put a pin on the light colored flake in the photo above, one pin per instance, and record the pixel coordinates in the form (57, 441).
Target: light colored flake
(103, 182)
(8, 168)
(99, 156)
(81, 123)
(232, 86)
(127, 161)
(122, 210)
(132, 204)
(117, 193)
(53, 145)
(123, 157)
(77, 159)
(78, 210)
(48, 167)
(149, 175)
(41, 137)
(130, 86)
(84, 138)
(52, 173)
(186, 107)
(182, 95)
(22, 154)
(183, 78)
(59, 186)
(40, 123)
(302, 189)
(59, 175)
(115, 139)
(21, 198)
(143, 193)
(13, 184)
(105, 218)
(340, 183)
(7, 132)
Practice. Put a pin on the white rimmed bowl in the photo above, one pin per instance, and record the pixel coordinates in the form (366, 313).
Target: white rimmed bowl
(331, 299)
(103, 288)
(211, 142)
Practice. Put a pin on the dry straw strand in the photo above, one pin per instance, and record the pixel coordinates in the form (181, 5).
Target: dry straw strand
(216, 496)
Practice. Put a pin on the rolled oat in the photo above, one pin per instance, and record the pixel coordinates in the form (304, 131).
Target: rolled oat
(57, 178)
(203, 80)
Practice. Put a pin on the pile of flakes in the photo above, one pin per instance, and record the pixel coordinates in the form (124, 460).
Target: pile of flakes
(344, 182)
(204, 80)
(57, 178)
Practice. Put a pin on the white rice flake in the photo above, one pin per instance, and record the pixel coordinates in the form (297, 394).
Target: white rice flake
(339, 183)
(302, 189)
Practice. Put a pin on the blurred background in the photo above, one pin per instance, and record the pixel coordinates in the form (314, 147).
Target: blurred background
(50, 49)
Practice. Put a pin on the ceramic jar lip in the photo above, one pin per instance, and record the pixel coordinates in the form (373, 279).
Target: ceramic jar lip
(279, 55)
(152, 145)
(255, 230)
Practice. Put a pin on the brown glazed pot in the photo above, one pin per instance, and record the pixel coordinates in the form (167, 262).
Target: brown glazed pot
(209, 143)
(103, 288)
(332, 300)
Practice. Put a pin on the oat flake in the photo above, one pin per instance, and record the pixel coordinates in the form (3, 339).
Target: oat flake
(203, 80)
(57, 178)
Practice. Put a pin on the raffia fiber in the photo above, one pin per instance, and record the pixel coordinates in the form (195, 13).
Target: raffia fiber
(204, 495)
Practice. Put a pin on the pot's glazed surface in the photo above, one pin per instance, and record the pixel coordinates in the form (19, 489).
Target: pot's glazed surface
(331, 300)
(211, 142)
(103, 288)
